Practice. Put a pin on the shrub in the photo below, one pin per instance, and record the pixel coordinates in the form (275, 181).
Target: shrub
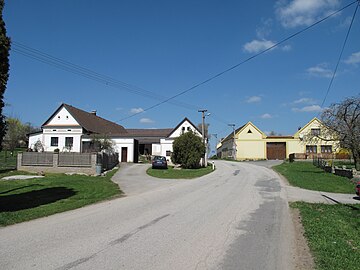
(188, 149)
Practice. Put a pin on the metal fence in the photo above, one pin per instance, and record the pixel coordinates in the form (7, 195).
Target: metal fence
(37, 159)
(74, 160)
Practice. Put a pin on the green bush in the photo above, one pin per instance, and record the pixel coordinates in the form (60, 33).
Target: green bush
(188, 149)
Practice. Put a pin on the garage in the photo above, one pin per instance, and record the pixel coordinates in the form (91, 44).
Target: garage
(276, 150)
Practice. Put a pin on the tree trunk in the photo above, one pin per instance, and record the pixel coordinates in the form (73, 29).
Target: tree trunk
(356, 156)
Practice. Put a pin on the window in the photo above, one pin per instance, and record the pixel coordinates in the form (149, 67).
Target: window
(311, 149)
(249, 131)
(326, 149)
(315, 131)
(182, 130)
(58, 116)
(188, 128)
(54, 141)
(69, 141)
(168, 153)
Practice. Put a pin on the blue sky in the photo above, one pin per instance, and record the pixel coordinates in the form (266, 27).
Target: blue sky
(166, 47)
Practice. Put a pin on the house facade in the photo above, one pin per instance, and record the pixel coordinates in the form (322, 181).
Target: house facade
(250, 143)
(70, 129)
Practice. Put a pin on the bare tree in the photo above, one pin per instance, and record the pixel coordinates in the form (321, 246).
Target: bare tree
(341, 122)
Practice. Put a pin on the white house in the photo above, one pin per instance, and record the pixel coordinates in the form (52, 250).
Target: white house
(72, 130)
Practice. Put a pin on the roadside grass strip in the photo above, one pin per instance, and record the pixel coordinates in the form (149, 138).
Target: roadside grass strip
(333, 234)
(306, 175)
(23, 200)
(172, 173)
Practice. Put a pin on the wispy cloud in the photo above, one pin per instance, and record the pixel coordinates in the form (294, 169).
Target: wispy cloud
(146, 121)
(253, 99)
(320, 70)
(136, 110)
(353, 59)
(266, 116)
(311, 108)
(304, 101)
(264, 30)
(303, 12)
(256, 46)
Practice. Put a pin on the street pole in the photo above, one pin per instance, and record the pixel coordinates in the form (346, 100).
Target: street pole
(203, 135)
(234, 142)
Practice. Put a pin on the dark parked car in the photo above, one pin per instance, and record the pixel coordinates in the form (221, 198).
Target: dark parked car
(357, 188)
(159, 162)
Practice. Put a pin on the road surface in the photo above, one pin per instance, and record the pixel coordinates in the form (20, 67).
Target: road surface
(234, 218)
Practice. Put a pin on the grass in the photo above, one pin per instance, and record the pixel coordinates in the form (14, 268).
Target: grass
(172, 173)
(23, 200)
(8, 159)
(333, 233)
(348, 164)
(307, 176)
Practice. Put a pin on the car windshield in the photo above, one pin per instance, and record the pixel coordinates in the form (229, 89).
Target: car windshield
(159, 158)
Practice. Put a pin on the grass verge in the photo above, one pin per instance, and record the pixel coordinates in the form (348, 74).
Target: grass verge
(333, 234)
(172, 173)
(305, 175)
(23, 200)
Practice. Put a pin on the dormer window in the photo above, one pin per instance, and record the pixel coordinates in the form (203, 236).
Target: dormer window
(315, 131)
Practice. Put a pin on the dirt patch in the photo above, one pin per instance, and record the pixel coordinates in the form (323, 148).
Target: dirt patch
(303, 257)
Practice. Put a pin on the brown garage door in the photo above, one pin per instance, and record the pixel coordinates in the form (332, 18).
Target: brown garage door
(276, 150)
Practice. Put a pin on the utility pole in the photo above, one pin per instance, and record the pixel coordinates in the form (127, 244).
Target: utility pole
(215, 135)
(203, 135)
(234, 142)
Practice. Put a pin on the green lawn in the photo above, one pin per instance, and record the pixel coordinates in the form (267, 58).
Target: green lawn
(22, 200)
(333, 233)
(306, 175)
(8, 160)
(172, 173)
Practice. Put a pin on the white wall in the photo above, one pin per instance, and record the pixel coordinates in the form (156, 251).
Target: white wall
(166, 145)
(33, 138)
(62, 133)
(186, 125)
(63, 117)
(129, 143)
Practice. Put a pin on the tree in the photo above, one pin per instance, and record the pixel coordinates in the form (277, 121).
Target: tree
(102, 143)
(188, 149)
(341, 122)
(4, 70)
(15, 135)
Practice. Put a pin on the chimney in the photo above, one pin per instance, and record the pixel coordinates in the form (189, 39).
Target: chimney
(93, 112)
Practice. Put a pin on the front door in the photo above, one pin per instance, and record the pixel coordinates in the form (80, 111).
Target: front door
(123, 154)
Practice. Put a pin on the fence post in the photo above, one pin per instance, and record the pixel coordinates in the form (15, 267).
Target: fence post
(55, 160)
(19, 161)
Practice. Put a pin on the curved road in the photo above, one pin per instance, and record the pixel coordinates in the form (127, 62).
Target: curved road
(234, 218)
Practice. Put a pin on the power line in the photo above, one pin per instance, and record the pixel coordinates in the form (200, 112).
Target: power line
(244, 61)
(88, 73)
(340, 55)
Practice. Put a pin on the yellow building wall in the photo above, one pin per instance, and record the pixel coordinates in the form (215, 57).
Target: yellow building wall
(250, 150)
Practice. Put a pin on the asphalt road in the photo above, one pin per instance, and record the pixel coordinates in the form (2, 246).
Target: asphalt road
(235, 218)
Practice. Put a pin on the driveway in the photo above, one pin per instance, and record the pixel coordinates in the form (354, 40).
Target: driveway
(234, 218)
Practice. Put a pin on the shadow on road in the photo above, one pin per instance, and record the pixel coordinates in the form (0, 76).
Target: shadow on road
(35, 198)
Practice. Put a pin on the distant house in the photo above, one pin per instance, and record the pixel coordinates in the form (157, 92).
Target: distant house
(252, 144)
(72, 130)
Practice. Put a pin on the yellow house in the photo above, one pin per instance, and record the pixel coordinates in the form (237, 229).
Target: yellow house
(252, 144)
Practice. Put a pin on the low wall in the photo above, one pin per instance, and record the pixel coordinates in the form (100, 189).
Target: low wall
(57, 163)
(344, 172)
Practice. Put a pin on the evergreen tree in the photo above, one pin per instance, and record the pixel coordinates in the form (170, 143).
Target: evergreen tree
(4, 70)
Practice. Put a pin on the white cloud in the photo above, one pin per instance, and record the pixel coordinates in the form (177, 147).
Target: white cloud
(146, 121)
(304, 101)
(266, 116)
(253, 99)
(256, 46)
(264, 30)
(136, 110)
(320, 71)
(303, 12)
(311, 108)
(353, 59)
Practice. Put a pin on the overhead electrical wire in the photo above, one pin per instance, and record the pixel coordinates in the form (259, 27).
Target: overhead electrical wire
(244, 61)
(76, 69)
(340, 55)
(90, 74)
